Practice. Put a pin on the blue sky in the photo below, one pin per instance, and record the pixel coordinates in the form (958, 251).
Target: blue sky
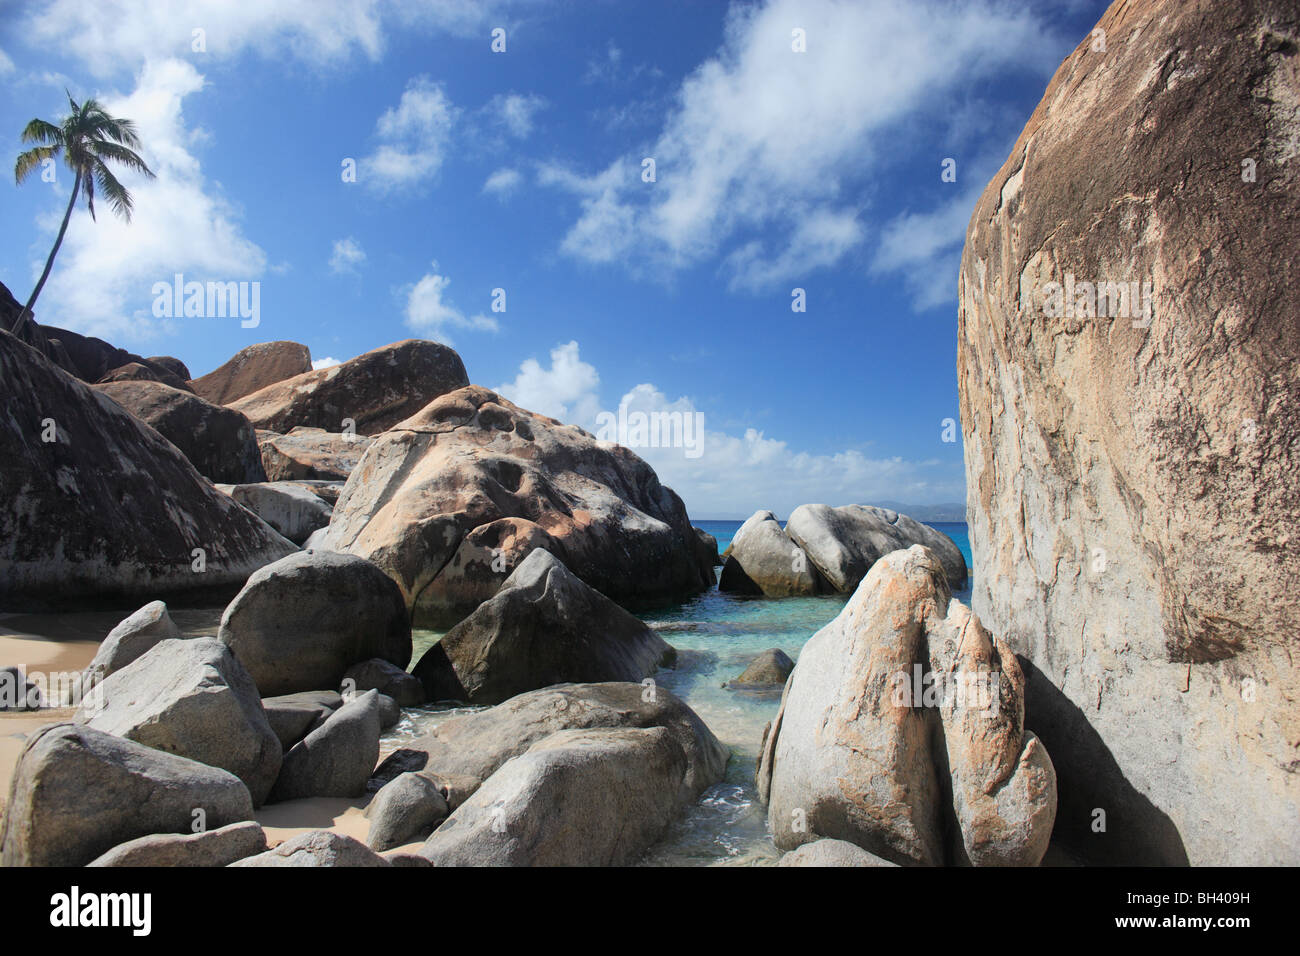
(523, 170)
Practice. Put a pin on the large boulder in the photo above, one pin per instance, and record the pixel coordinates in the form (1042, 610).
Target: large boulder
(317, 848)
(823, 853)
(405, 809)
(543, 627)
(77, 793)
(95, 505)
(219, 442)
(311, 454)
(1131, 460)
(335, 759)
(373, 391)
(456, 495)
(845, 542)
(219, 847)
(472, 746)
(388, 679)
(194, 699)
(135, 372)
(762, 559)
(597, 797)
(138, 633)
(291, 509)
(770, 668)
(901, 730)
(293, 716)
(251, 369)
(300, 623)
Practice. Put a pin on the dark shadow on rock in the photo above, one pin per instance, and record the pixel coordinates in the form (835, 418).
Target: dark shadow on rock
(1137, 832)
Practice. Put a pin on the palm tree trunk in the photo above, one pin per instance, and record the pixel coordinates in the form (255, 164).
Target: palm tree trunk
(49, 263)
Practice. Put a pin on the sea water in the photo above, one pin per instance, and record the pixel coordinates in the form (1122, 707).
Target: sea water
(716, 635)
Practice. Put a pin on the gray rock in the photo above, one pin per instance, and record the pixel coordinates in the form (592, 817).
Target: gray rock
(122, 511)
(1131, 465)
(708, 547)
(191, 698)
(142, 631)
(293, 716)
(17, 693)
(596, 797)
(763, 560)
(405, 810)
(77, 793)
(859, 752)
(312, 454)
(386, 678)
(300, 623)
(289, 508)
(475, 745)
(317, 848)
(335, 759)
(389, 712)
(831, 853)
(845, 542)
(544, 627)
(771, 667)
(219, 847)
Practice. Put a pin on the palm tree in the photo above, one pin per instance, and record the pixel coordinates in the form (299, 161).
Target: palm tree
(89, 139)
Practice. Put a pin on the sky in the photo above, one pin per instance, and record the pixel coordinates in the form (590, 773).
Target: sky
(380, 170)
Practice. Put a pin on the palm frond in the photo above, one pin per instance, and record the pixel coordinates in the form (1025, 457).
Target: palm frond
(120, 154)
(39, 131)
(118, 196)
(29, 160)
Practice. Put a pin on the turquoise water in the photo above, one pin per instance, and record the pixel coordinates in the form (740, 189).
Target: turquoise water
(716, 636)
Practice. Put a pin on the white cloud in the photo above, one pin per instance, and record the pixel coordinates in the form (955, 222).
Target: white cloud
(102, 278)
(733, 474)
(413, 138)
(767, 154)
(109, 35)
(566, 390)
(515, 112)
(347, 255)
(428, 314)
(326, 362)
(503, 182)
(6, 64)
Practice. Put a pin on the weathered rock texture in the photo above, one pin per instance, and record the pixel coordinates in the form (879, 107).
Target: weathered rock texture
(335, 759)
(861, 751)
(762, 559)
(219, 442)
(1132, 487)
(219, 847)
(252, 369)
(300, 623)
(450, 500)
(311, 453)
(292, 509)
(543, 627)
(147, 627)
(108, 509)
(77, 793)
(374, 391)
(317, 848)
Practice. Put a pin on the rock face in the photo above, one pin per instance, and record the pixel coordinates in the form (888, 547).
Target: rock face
(311, 454)
(194, 699)
(106, 508)
(219, 442)
(388, 679)
(293, 716)
(77, 793)
(475, 745)
(290, 509)
(219, 847)
(709, 547)
(335, 759)
(252, 369)
(317, 848)
(452, 499)
(135, 372)
(1131, 476)
(763, 559)
(843, 543)
(901, 730)
(143, 630)
(374, 391)
(300, 623)
(772, 666)
(831, 853)
(543, 627)
(578, 798)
